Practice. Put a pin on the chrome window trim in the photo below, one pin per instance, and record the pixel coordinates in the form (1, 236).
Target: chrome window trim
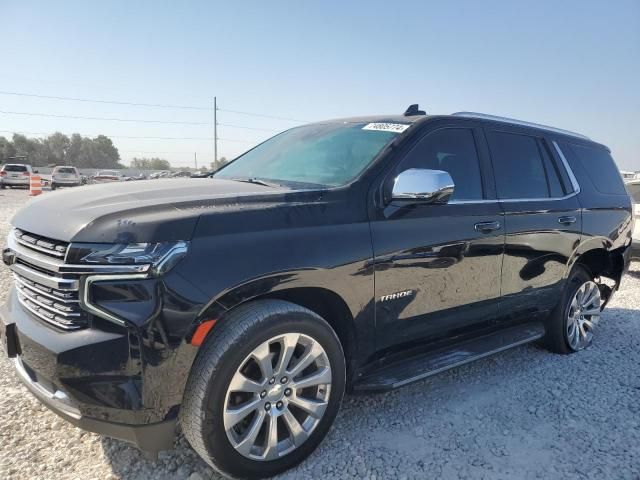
(94, 309)
(513, 121)
(572, 177)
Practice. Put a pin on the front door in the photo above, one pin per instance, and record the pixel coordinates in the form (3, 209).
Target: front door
(438, 267)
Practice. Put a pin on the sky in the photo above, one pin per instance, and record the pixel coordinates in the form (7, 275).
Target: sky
(570, 64)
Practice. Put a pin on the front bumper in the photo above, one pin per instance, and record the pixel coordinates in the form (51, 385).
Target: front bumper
(85, 378)
(150, 438)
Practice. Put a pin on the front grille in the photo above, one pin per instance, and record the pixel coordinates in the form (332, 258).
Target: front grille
(59, 307)
(47, 246)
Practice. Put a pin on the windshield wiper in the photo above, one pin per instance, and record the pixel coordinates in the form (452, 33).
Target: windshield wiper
(257, 181)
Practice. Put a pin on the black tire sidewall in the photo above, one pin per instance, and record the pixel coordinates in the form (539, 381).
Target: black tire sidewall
(220, 449)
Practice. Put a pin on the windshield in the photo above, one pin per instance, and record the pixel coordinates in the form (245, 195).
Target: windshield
(324, 154)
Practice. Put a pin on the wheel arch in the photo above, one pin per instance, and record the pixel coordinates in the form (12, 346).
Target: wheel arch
(598, 256)
(326, 302)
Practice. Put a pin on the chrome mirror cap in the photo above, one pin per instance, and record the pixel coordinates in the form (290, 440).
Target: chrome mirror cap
(418, 185)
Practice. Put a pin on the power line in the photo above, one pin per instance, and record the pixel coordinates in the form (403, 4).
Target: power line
(152, 105)
(132, 137)
(163, 151)
(247, 128)
(103, 118)
(114, 102)
(123, 136)
(261, 115)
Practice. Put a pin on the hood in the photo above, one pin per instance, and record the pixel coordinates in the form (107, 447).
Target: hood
(144, 211)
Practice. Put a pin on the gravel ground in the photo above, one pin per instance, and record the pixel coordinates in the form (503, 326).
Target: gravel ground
(522, 414)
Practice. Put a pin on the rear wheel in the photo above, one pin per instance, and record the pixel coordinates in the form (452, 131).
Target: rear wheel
(572, 324)
(53, 186)
(264, 390)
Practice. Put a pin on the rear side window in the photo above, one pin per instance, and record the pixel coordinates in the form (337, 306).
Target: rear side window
(452, 150)
(601, 169)
(15, 168)
(518, 165)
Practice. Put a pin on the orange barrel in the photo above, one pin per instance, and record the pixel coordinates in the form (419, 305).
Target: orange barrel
(35, 185)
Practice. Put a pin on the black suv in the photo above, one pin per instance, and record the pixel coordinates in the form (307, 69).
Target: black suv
(356, 254)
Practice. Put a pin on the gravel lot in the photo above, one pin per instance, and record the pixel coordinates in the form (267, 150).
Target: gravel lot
(522, 414)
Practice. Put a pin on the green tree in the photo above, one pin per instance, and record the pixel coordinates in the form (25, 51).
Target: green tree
(222, 161)
(56, 147)
(154, 163)
(6, 149)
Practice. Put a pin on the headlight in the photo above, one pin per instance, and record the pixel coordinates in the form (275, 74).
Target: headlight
(160, 256)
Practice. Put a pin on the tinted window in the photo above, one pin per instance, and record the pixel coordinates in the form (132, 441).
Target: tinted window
(65, 170)
(454, 151)
(601, 168)
(555, 187)
(518, 166)
(15, 168)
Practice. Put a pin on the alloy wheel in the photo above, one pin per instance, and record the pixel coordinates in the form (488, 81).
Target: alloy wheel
(583, 315)
(277, 396)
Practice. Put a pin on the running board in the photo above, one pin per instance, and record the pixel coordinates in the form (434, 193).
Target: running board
(424, 365)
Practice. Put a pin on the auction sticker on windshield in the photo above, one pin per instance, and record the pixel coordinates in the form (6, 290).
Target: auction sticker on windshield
(387, 127)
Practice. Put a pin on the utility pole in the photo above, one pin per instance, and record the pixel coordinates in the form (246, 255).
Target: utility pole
(215, 132)
(195, 159)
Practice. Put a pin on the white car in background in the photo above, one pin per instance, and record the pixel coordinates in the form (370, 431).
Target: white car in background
(65, 177)
(15, 175)
(633, 187)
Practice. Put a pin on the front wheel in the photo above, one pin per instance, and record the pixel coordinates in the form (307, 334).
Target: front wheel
(572, 324)
(264, 390)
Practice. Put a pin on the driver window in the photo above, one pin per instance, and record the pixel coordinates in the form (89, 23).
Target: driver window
(452, 150)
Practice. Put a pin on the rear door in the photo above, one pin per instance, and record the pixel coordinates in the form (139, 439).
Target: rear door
(437, 269)
(542, 220)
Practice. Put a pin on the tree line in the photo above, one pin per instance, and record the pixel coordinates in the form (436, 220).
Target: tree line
(59, 149)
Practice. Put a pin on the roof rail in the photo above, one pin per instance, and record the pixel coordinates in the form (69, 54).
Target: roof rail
(513, 121)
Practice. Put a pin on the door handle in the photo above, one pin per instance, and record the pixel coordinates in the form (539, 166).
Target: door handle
(567, 220)
(487, 227)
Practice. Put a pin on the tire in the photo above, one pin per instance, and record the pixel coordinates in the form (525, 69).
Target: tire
(53, 186)
(227, 353)
(2, 186)
(569, 320)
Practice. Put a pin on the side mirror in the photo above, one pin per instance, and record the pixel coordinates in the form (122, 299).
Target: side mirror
(35, 171)
(418, 185)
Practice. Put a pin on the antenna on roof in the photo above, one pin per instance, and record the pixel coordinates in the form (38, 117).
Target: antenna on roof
(414, 110)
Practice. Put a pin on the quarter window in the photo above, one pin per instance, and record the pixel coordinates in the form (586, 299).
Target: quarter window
(518, 166)
(452, 150)
(601, 168)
